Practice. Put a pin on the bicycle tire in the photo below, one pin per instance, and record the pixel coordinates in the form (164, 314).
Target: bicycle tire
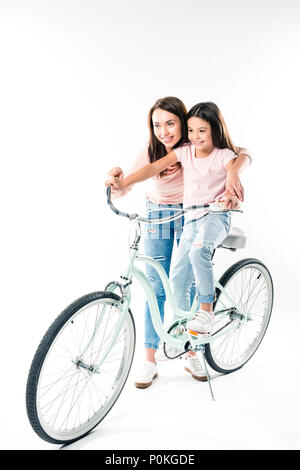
(217, 352)
(79, 312)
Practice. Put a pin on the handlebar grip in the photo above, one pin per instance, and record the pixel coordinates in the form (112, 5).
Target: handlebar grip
(113, 208)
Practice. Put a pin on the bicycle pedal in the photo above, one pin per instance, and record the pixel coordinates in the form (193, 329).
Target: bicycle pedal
(194, 333)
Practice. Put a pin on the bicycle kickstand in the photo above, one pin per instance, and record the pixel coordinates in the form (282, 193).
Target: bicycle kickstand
(207, 373)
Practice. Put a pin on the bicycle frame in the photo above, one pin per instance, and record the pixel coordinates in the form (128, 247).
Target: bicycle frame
(132, 271)
(96, 334)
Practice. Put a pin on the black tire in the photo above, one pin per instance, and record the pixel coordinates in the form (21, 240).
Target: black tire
(215, 352)
(83, 309)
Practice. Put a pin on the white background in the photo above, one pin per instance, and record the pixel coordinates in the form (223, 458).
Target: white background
(77, 80)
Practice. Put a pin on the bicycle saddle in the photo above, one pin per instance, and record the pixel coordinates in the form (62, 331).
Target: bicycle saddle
(235, 239)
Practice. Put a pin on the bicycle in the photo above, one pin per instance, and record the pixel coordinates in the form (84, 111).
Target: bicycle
(83, 361)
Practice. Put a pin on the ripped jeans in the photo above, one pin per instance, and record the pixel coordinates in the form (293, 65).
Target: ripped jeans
(159, 242)
(198, 241)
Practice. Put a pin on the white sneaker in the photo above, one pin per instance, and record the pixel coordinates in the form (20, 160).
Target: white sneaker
(193, 366)
(202, 323)
(146, 376)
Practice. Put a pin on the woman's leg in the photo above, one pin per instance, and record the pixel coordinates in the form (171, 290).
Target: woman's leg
(158, 243)
(160, 250)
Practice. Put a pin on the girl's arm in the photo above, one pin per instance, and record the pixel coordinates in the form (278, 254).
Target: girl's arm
(141, 160)
(148, 171)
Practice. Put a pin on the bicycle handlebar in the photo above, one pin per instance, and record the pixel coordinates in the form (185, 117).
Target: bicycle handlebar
(167, 219)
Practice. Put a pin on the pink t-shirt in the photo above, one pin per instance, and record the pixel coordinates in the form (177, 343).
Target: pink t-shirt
(169, 188)
(203, 178)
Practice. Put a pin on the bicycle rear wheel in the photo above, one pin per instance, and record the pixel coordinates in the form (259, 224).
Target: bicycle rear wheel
(66, 396)
(250, 285)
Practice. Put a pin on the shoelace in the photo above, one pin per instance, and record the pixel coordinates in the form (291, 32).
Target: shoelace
(204, 317)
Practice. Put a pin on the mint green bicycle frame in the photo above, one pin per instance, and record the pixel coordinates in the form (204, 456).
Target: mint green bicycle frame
(133, 272)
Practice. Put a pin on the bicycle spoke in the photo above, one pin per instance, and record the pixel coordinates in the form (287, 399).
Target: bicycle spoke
(251, 289)
(72, 396)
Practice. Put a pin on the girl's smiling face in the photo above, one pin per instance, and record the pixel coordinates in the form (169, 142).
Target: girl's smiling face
(199, 132)
(167, 127)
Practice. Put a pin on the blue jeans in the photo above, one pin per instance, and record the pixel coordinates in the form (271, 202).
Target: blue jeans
(159, 243)
(194, 258)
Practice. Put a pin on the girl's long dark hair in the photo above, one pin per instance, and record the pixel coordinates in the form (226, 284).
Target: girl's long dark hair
(210, 112)
(156, 149)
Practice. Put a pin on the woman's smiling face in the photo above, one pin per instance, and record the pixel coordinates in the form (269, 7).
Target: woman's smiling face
(167, 127)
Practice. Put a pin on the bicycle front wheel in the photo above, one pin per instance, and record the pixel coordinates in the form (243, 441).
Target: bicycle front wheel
(249, 284)
(66, 395)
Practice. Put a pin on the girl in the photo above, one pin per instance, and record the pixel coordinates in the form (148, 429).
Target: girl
(168, 131)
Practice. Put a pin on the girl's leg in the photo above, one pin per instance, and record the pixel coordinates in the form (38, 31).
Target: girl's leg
(193, 285)
(208, 307)
(182, 273)
(183, 286)
(211, 231)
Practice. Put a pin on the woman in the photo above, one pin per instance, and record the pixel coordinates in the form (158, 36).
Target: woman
(168, 130)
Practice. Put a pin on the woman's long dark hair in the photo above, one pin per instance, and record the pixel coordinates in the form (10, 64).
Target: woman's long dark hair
(210, 112)
(156, 149)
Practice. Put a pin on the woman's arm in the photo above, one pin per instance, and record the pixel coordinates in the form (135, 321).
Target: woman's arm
(148, 171)
(233, 169)
(231, 199)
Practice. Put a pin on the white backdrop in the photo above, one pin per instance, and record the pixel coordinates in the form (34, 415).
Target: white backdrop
(77, 80)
